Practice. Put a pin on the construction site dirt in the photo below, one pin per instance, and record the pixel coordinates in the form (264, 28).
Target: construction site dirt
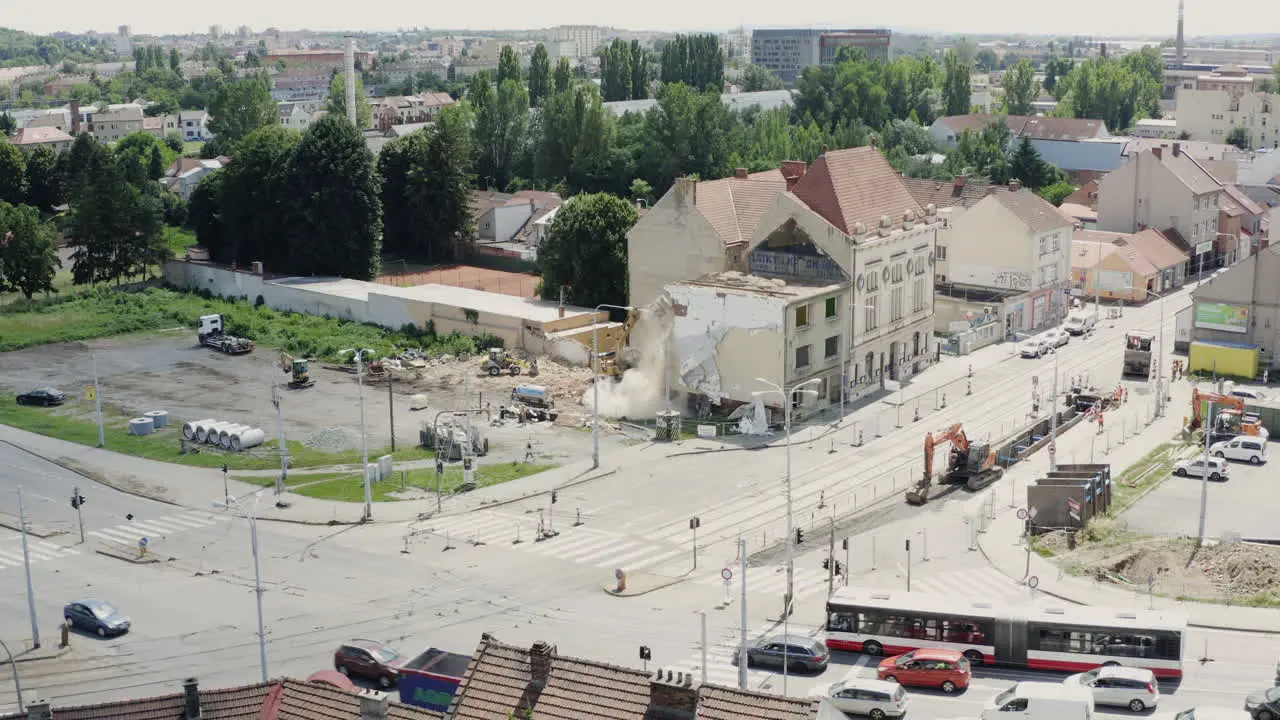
(170, 371)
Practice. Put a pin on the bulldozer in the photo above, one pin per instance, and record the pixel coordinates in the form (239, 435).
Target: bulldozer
(614, 363)
(500, 361)
(300, 370)
(971, 463)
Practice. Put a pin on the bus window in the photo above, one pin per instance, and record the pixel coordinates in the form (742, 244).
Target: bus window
(960, 630)
(1054, 640)
(1126, 645)
(1168, 646)
(841, 622)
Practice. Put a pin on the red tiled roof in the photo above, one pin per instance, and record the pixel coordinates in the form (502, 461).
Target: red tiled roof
(734, 206)
(1092, 246)
(39, 135)
(721, 703)
(1086, 194)
(1230, 206)
(496, 685)
(1175, 237)
(1158, 247)
(945, 193)
(856, 185)
(583, 689)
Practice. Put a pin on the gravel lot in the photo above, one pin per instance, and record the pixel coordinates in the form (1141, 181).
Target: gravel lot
(169, 371)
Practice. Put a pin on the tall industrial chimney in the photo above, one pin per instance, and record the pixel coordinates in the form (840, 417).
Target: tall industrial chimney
(1178, 57)
(350, 81)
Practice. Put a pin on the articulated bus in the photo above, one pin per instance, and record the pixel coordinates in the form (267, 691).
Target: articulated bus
(1071, 639)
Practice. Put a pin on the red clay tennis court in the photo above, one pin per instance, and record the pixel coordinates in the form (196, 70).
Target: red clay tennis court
(466, 276)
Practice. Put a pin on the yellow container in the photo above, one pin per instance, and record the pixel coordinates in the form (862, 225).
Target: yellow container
(1225, 359)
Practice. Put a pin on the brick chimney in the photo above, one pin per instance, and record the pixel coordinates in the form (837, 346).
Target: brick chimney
(191, 699)
(374, 705)
(1177, 149)
(959, 182)
(1015, 185)
(686, 191)
(75, 118)
(793, 170)
(672, 692)
(1158, 153)
(740, 173)
(39, 710)
(540, 656)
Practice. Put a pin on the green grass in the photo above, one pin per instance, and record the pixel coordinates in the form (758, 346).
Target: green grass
(1157, 465)
(192, 149)
(347, 486)
(178, 239)
(104, 312)
(67, 423)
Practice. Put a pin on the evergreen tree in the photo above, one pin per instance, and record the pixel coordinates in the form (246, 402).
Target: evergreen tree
(539, 75)
(426, 189)
(639, 71)
(508, 65)
(115, 227)
(44, 179)
(204, 217)
(563, 75)
(336, 220)
(255, 200)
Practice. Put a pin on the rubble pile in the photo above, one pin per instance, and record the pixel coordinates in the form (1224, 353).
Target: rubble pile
(1241, 568)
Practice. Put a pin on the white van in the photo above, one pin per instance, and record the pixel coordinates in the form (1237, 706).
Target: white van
(1040, 701)
(1080, 322)
(1244, 448)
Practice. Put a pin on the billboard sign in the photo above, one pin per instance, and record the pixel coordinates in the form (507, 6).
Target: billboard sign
(1113, 280)
(1219, 316)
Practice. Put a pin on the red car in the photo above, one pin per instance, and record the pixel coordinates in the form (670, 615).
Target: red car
(945, 669)
(370, 660)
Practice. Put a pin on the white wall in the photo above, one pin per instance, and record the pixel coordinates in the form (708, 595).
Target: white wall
(508, 219)
(727, 339)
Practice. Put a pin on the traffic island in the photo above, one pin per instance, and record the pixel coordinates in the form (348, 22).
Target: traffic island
(12, 522)
(131, 555)
(641, 583)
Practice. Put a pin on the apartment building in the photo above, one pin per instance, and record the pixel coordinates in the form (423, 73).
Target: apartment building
(585, 38)
(115, 121)
(1210, 115)
(787, 52)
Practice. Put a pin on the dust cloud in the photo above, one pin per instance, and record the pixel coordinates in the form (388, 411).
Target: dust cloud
(638, 394)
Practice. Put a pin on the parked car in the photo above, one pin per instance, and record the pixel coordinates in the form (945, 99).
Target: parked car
(370, 660)
(97, 616)
(799, 652)
(1217, 468)
(1080, 322)
(1249, 393)
(1264, 704)
(1204, 713)
(1033, 347)
(1134, 688)
(862, 696)
(1056, 337)
(45, 397)
(928, 667)
(1243, 448)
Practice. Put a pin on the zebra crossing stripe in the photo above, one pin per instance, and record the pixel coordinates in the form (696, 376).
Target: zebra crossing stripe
(115, 535)
(621, 560)
(654, 560)
(611, 549)
(149, 529)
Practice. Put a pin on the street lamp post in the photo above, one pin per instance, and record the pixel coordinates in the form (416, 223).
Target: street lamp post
(364, 437)
(1053, 418)
(252, 517)
(17, 684)
(595, 384)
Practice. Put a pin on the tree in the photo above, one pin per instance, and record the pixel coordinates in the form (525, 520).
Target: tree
(1027, 166)
(500, 133)
(175, 60)
(135, 154)
(563, 75)
(539, 75)
(615, 71)
(479, 90)
(337, 102)
(44, 179)
(1238, 136)
(585, 253)
(8, 125)
(695, 60)
(28, 251)
(204, 214)
(1057, 192)
(687, 133)
(639, 63)
(640, 190)
(255, 199)
(336, 219)
(426, 188)
(173, 139)
(156, 167)
(13, 174)
(1020, 88)
(955, 84)
(578, 145)
(1118, 92)
(238, 108)
(508, 65)
(115, 227)
(986, 59)
(756, 78)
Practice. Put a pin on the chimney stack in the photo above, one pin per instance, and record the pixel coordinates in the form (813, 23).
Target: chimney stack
(1015, 185)
(1158, 153)
(39, 710)
(349, 80)
(676, 695)
(959, 182)
(1177, 149)
(75, 118)
(740, 173)
(374, 705)
(792, 171)
(191, 699)
(540, 662)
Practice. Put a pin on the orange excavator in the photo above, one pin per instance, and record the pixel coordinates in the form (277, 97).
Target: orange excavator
(1231, 420)
(973, 463)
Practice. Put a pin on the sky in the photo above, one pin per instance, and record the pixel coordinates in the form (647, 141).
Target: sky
(1106, 18)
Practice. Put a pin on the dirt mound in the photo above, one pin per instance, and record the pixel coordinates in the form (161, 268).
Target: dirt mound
(1241, 568)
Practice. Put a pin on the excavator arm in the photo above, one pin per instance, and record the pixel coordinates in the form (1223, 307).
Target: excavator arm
(1197, 398)
(955, 435)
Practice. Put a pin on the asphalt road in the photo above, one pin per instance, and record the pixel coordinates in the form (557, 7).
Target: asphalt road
(1246, 504)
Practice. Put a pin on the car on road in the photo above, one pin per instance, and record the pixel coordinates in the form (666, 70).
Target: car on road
(369, 660)
(1080, 322)
(800, 653)
(1243, 448)
(947, 670)
(96, 616)
(1216, 469)
(862, 696)
(1034, 347)
(1056, 337)
(1040, 701)
(1204, 713)
(45, 397)
(1264, 704)
(1134, 688)
(1249, 393)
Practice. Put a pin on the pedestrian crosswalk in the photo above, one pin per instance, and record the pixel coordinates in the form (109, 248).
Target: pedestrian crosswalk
(129, 533)
(722, 657)
(577, 544)
(38, 550)
(772, 581)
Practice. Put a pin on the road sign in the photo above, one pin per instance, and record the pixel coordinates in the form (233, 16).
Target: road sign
(142, 542)
(1073, 509)
(1032, 582)
(619, 574)
(1053, 449)
(91, 392)
(727, 574)
(1022, 513)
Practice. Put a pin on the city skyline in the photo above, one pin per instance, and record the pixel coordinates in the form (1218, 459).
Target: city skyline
(1146, 18)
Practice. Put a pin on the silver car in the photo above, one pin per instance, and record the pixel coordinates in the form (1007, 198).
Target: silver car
(799, 653)
(1133, 688)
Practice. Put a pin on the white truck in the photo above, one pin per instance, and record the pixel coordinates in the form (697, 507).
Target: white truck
(213, 335)
(1080, 322)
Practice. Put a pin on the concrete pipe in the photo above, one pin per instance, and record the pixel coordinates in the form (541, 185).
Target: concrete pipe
(189, 427)
(209, 434)
(224, 435)
(160, 418)
(250, 438)
(141, 426)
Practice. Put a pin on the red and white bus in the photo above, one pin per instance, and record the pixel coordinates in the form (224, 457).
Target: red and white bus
(1072, 639)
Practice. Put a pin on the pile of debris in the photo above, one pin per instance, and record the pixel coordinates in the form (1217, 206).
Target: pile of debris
(566, 382)
(1241, 568)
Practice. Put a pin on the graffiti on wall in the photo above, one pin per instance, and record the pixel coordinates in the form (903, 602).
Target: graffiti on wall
(1012, 280)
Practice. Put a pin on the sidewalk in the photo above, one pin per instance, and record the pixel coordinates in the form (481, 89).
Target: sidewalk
(1003, 545)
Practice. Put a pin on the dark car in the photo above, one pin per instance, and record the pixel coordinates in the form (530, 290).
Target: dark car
(45, 396)
(370, 660)
(1264, 704)
(97, 616)
(798, 653)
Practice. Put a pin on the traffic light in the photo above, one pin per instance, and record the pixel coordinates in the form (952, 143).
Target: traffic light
(839, 568)
(799, 536)
(553, 497)
(76, 498)
(826, 563)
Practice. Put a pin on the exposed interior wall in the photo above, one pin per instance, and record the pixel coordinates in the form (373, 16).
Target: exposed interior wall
(725, 340)
(671, 243)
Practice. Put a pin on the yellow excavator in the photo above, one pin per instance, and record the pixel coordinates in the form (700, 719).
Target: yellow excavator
(299, 369)
(612, 362)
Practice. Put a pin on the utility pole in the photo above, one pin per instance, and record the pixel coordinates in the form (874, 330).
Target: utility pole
(1204, 475)
(704, 645)
(97, 399)
(908, 564)
(742, 648)
(283, 480)
(391, 407)
(1053, 417)
(831, 556)
(76, 502)
(26, 561)
(694, 522)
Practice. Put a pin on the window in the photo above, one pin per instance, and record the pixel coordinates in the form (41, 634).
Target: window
(896, 302)
(802, 356)
(1044, 246)
(1057, 238)
(898, 274)
(1197, 204)
(871, 310)
(1195, 231)
(802, 316)
(873, 278)
(919, 301)
(831, 307)
(833, 346)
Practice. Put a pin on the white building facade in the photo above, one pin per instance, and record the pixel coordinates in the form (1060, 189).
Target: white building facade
(1210, 115)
